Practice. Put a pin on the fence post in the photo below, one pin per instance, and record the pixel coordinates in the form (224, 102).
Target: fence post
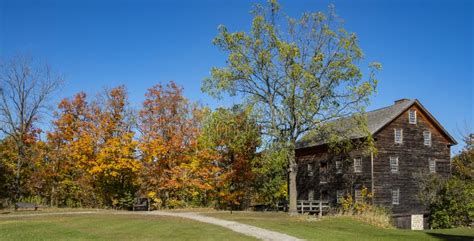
(320, 207)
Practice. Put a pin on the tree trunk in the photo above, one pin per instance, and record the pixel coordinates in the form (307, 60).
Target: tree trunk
(293, 170)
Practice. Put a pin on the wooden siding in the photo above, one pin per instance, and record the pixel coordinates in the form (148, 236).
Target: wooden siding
(413, 158)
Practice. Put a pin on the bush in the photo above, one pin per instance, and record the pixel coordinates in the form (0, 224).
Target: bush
(451, 201)
(125, 202)
(365, 211)
(454, 206)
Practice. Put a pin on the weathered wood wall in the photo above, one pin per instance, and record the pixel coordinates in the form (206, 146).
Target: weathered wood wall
(413, 157)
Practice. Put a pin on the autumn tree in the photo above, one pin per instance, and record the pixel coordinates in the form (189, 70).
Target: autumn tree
(233, 136)
(25, 88)
(7, 168)
(70, 152)
(169, 125)
(114, 171)
(296, 73)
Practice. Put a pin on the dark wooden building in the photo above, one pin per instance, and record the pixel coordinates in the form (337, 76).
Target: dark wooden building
(409, 141)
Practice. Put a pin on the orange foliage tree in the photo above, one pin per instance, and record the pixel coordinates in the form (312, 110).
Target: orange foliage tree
(115, 169)
(169, 125)
(70, 151)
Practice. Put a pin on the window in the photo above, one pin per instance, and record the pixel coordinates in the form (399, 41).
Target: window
(432, 166)
(412, 117)
(323, 177)
(323, 167)
(324, 195)
(398, 136)
(394, 164)
(357, 165)
(339, 196)
(396, 196)
(310, 169)
(358, 195)
(311, 195)
(338, 167)
(427, 138)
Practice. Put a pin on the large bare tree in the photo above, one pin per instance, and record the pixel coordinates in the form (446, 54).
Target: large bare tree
(25, 88)
(297, 73)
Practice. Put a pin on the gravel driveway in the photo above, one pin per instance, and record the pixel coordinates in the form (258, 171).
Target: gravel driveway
(249, 230)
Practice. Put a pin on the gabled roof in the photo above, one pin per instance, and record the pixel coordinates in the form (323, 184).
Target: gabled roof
(376, 121)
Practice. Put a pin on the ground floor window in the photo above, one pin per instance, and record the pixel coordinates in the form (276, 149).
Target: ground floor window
(396, 196)
(432, 166)
(339, 196)
(358, 195)
(311, 195)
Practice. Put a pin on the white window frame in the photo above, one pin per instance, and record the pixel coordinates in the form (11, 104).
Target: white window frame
(358, 195)
(427, 138)
(398, 140)
(396, 196)
(338, 167)
(432, 166)
(394, 164)
(412, 117)
(310, 169)
(339, 196)
(311, 195)
(357, 165)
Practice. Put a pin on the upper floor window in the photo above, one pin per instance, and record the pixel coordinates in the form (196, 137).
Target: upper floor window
(412, 116)
(358, 195)
(394, 164)
(338, 167)
(357, 165)
(432, 166)
(310, 169)
(339, 196)
(398, 136)
(396, 196)
(427, 138)
(311, 195)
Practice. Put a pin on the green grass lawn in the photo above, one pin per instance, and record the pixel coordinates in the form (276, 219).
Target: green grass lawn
(337, 228)
(109, 226)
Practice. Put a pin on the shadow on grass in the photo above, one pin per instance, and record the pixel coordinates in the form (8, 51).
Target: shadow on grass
(441, 236)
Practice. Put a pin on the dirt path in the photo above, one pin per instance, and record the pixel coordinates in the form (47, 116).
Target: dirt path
(245, 229)
(249, 230)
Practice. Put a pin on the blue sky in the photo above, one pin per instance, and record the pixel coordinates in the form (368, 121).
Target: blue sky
(425, 47)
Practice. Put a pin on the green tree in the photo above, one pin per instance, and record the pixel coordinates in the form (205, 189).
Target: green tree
(451, 200)
(270, 182)
(296, 73)
(232, 138)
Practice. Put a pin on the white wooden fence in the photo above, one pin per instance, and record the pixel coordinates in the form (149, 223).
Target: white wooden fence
(312, 206)
(308, 206)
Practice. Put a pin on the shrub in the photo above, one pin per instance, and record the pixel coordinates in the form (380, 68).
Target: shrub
(454, 206)
(451, 201)
(365, 211)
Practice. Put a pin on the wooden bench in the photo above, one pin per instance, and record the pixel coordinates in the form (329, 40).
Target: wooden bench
(19, 205)
(141, 204)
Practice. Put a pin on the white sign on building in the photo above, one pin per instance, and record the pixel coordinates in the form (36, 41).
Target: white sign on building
(417, 222)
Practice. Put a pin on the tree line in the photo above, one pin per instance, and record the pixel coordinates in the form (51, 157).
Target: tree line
(99, 152)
